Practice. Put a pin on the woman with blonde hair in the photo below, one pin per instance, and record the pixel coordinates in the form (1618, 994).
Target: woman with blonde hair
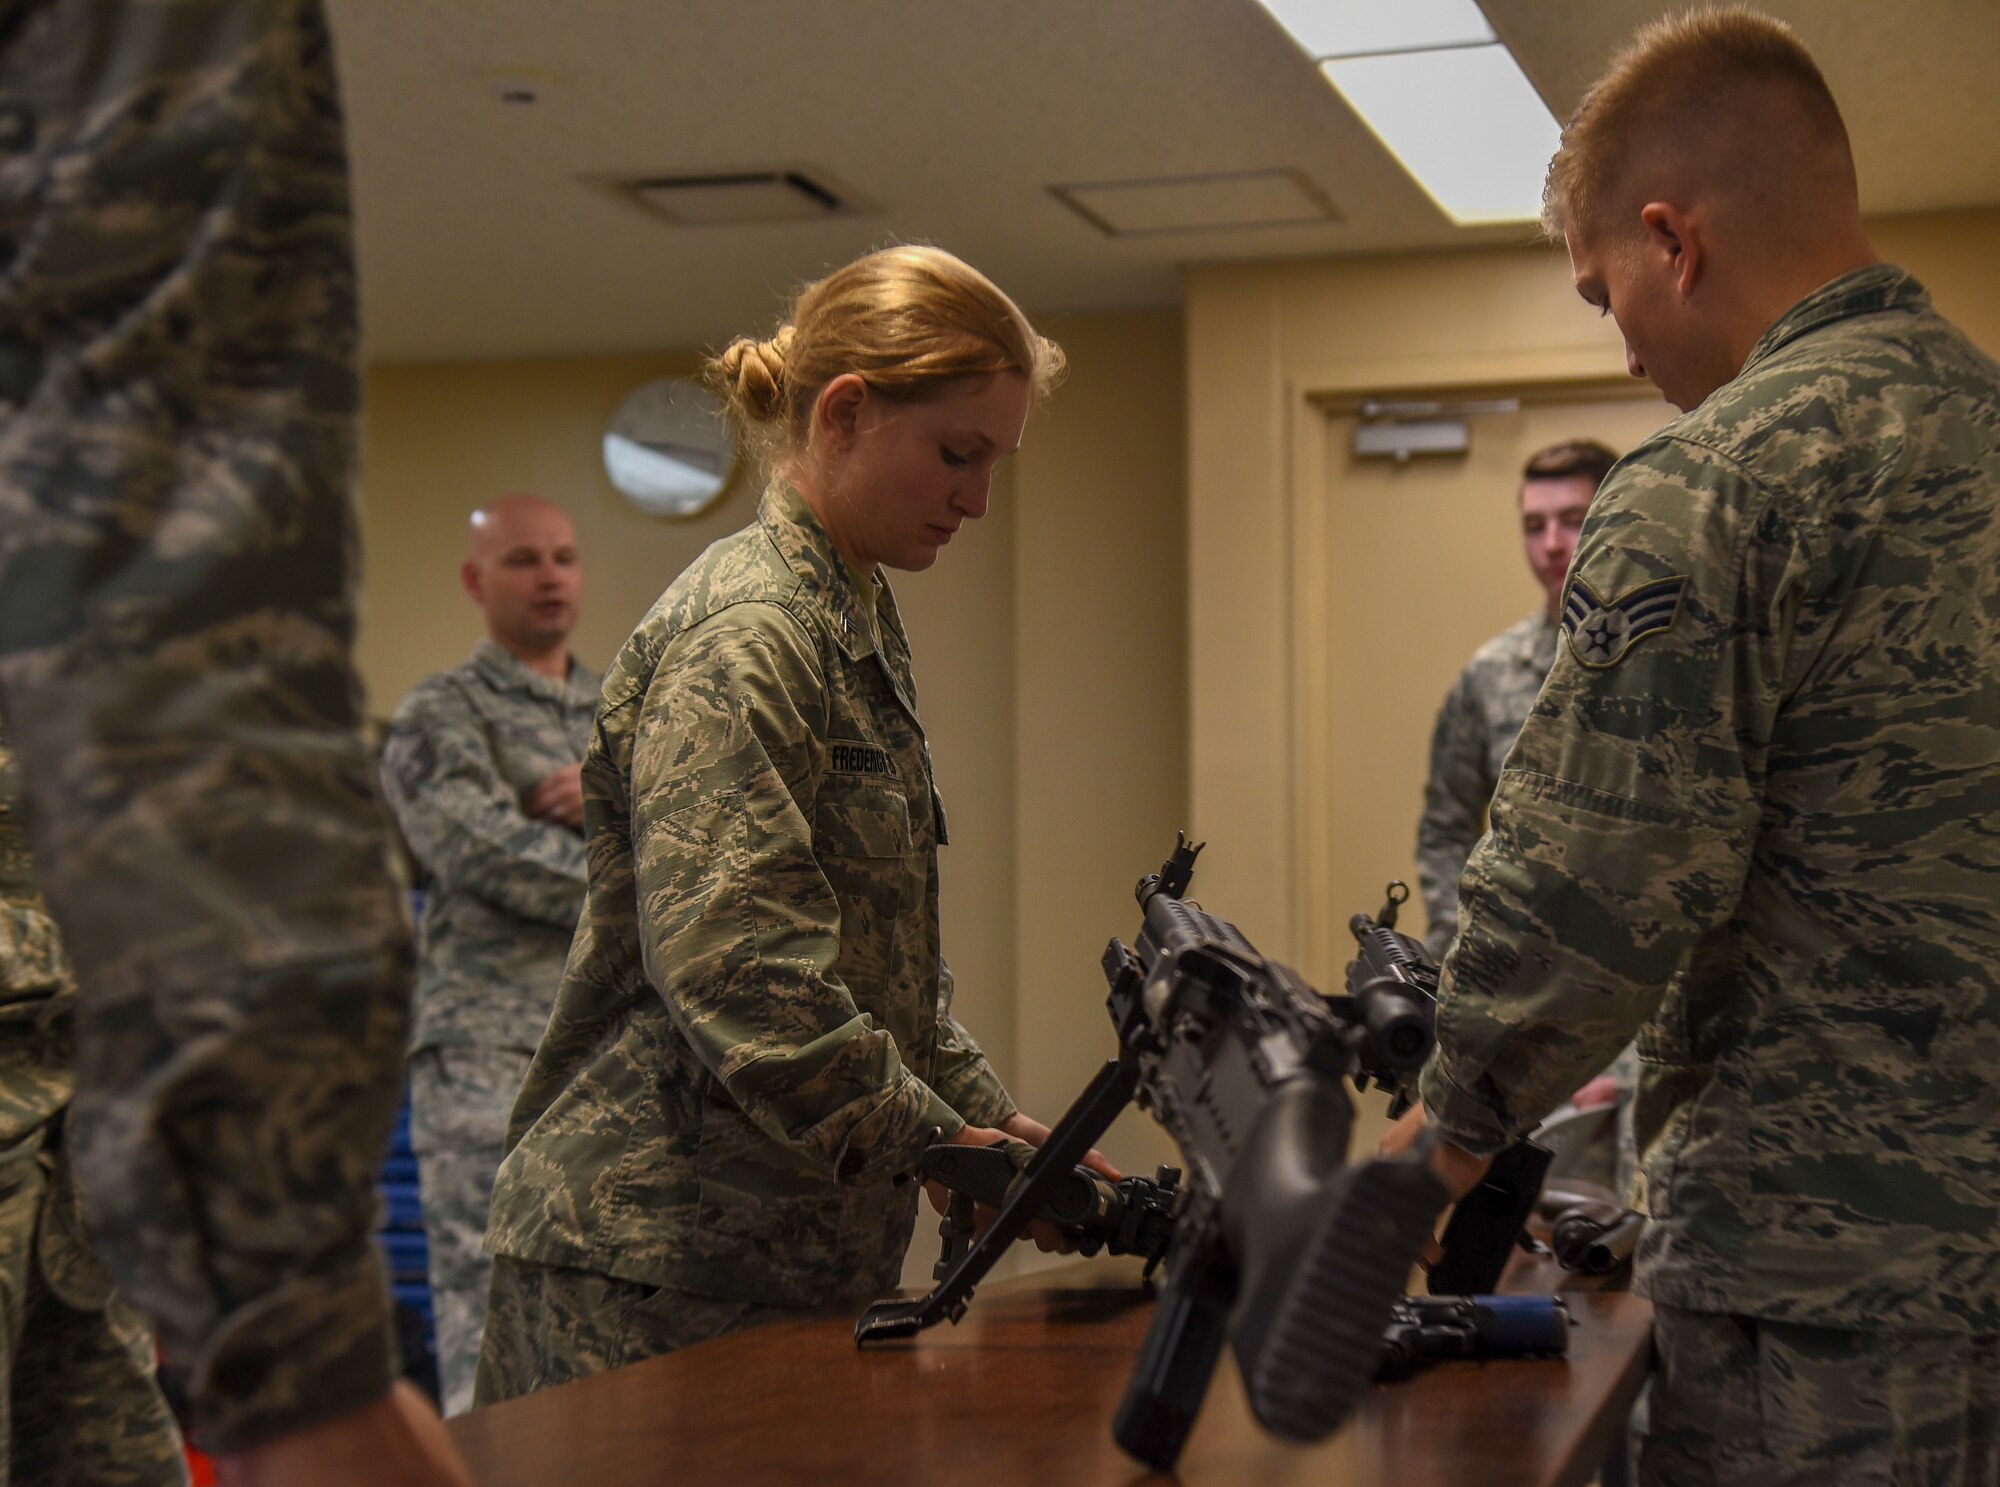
(754, 1040)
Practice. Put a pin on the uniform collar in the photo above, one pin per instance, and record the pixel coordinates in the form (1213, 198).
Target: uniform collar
(831, 585)
(1880, 286)
(1541, 632)
(860, 628)
(507, 672)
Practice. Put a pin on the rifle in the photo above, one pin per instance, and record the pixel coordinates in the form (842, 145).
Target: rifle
(1395, 976)
(1282, 1249)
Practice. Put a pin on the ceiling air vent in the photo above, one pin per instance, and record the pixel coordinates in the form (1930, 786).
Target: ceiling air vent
(1206, 203)
(781, 195)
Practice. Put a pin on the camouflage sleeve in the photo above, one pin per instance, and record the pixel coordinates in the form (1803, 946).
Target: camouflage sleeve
(1455, 800)
(962, 1075)
(463, 823)
(1623, 822)
(178, 396)
(741, 925)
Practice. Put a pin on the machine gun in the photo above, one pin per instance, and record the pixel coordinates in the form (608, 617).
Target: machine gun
(1282, 1249)
(1133, 1216)
(1395, 977)
(1429, 1329)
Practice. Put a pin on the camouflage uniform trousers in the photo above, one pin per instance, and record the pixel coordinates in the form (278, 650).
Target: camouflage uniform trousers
(1771, 1404)
(79, 1404)
(460, 1095)
(550, 1325)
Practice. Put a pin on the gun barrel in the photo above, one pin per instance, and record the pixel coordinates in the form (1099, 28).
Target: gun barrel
(1392, 985)
(1595, 1238)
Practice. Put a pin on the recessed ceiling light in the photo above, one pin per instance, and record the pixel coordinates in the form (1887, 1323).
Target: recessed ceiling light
(1465, 122)
(1348, 28)
(1441, 93)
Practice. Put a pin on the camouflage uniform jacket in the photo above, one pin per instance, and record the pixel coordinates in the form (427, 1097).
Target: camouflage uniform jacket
(503, 890)
(1768, 758)
(37, 994)
(1481, 717)
(38, 1062)
(754, 1033)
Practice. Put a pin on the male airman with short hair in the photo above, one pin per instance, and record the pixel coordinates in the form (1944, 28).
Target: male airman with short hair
(483, 770)
(1752, 815)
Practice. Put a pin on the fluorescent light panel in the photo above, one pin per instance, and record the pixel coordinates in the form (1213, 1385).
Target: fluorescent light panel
(1349, 28)
(1466, 123)
(1441, 92)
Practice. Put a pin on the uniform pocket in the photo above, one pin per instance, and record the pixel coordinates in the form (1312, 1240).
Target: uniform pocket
(862, 841)
(462, 1094)
(858, 818)
(752, 1188)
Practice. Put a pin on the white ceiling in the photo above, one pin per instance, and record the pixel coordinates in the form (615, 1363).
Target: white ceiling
(486, 228)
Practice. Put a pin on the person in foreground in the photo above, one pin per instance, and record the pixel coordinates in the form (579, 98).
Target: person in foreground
(178, 399)
(754, 1040)
(1768, 759)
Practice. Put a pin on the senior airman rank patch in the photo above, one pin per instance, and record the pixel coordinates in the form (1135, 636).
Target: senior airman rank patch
(1600, 634)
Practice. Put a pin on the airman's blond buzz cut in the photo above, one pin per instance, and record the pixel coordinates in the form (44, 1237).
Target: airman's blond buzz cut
(1726, 100)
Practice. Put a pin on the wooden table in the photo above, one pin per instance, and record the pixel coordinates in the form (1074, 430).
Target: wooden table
(1021, 1393)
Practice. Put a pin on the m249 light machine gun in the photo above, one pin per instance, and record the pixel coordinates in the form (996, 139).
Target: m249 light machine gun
(1281, 1248)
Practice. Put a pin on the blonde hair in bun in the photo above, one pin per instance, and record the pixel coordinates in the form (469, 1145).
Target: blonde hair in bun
(749, 374)
(907, 320)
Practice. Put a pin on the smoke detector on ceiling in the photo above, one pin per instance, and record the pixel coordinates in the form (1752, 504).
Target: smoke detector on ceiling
(781, 194)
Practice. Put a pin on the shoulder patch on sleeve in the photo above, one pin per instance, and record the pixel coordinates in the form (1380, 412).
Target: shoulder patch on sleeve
(413, 756)
(1602, 632)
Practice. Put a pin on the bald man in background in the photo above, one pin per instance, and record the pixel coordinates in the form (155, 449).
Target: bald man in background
(1751, 817)
(483, 771)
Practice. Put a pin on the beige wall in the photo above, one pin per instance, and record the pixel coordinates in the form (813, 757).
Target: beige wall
(1100, 727)
(1049, 643)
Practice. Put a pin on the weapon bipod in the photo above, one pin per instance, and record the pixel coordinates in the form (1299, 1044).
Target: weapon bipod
(1074, 1135)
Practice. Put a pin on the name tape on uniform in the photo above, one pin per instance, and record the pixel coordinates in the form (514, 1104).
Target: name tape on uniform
(858, 758)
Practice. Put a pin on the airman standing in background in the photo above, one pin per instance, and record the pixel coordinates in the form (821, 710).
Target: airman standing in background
(1483, 713)
(483, 769)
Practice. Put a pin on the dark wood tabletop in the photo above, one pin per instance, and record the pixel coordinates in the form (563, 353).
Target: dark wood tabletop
(1021, 1394)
